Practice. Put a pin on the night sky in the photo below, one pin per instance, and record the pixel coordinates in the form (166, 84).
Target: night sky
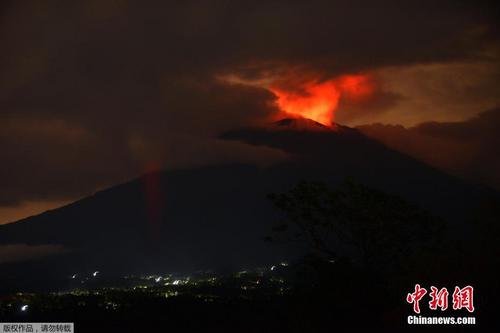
(96, 92)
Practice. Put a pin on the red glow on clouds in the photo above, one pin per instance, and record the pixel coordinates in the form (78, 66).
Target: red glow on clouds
(318, 100)
(356, 87)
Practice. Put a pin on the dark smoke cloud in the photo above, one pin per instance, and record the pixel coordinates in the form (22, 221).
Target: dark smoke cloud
(468, 149)
(92, 91)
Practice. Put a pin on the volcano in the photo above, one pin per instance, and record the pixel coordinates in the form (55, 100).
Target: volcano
(299, 124)
(217, 217)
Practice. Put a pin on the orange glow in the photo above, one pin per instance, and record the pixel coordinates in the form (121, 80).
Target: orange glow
(318, 100)
(356, 87)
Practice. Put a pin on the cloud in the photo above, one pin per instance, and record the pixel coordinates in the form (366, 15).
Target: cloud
(468, 149)
(45, 157)
(92, 91)
(412, 94)
(20, 210)
(24, 252)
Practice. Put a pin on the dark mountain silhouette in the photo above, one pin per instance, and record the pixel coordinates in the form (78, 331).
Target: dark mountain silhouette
(334, 153)
(217, 217)
(300, 124)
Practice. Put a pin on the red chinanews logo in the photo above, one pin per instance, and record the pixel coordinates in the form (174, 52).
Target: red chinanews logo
(462, 298)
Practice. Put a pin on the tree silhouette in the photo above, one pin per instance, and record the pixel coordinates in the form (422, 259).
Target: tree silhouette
(385, 229)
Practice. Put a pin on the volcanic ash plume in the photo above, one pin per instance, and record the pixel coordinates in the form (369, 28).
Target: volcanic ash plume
(318, 100)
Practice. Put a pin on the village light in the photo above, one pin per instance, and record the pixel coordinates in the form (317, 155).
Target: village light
(95, 273)
(24, 308)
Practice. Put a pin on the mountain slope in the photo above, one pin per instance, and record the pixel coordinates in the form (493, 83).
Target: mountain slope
(217, 217)
(341, 152)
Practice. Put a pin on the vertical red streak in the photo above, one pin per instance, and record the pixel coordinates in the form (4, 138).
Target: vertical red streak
(154, 199)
